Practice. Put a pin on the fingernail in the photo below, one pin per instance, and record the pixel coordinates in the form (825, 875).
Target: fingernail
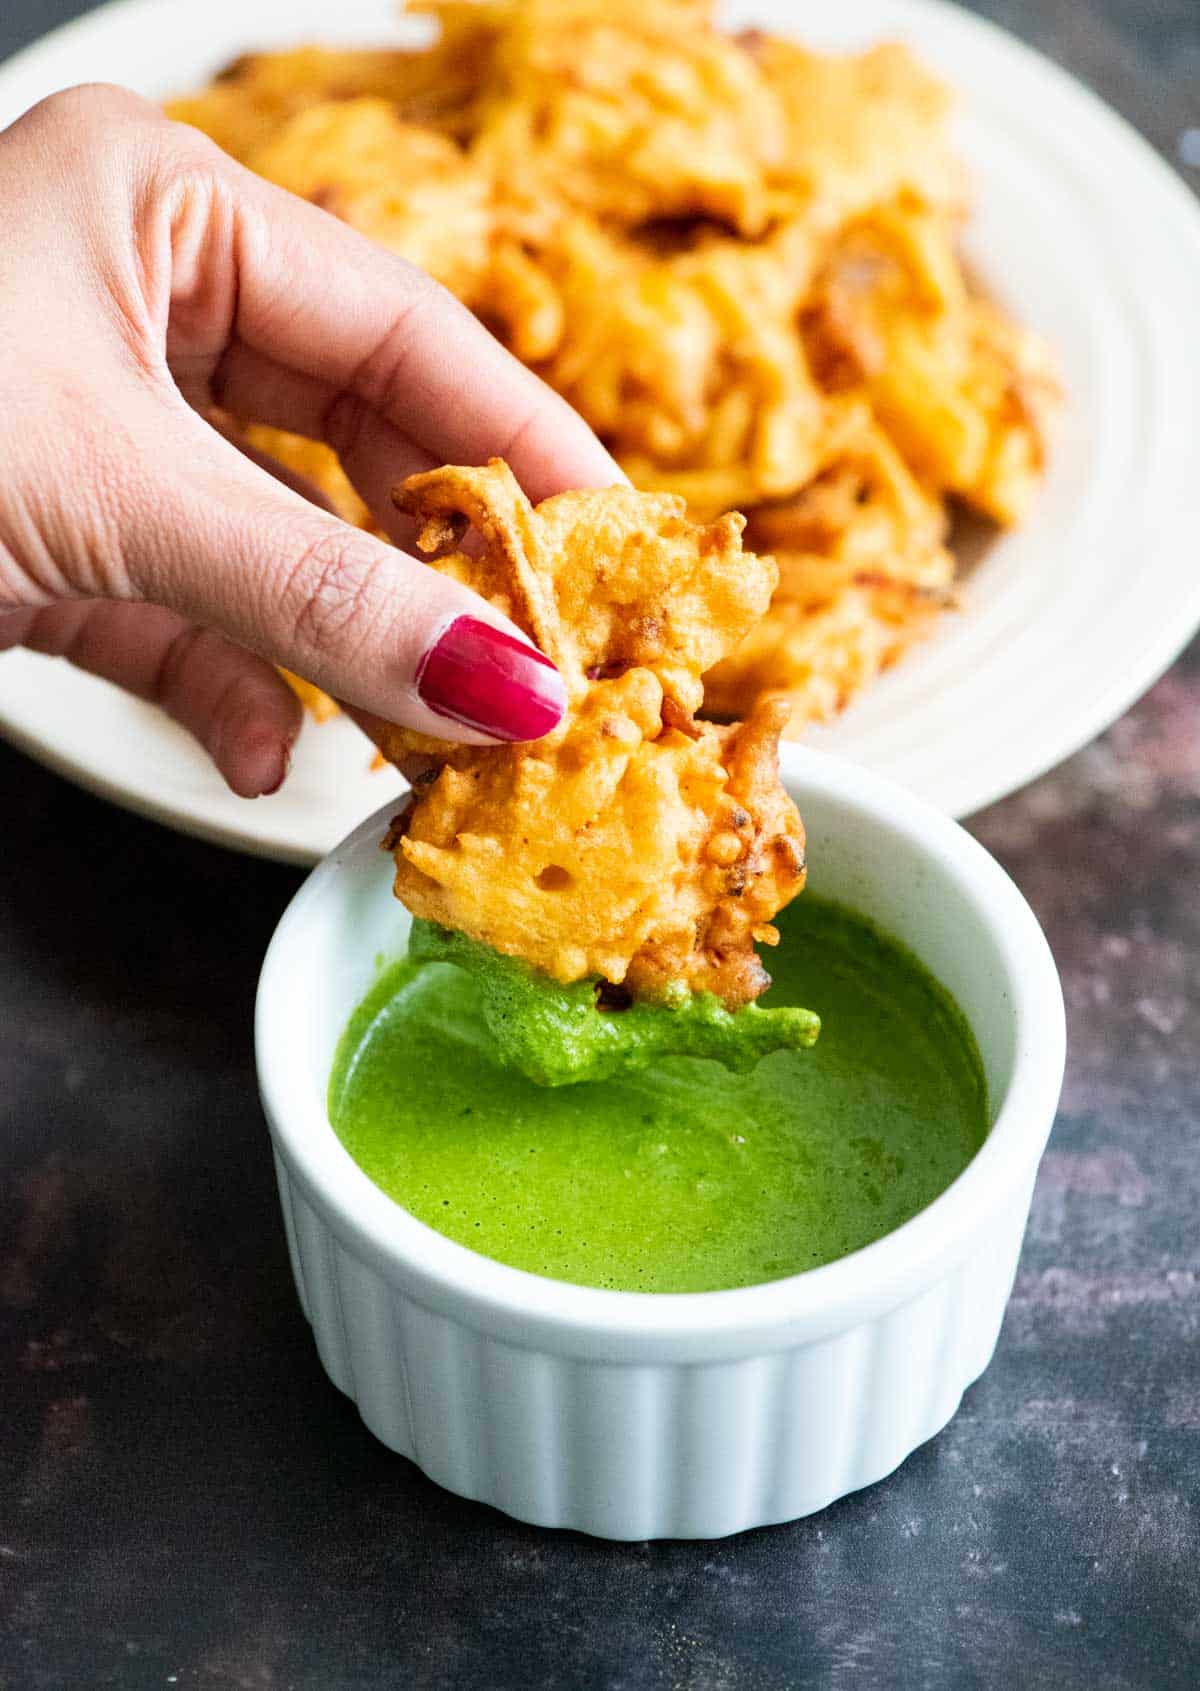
(285, 764)
(263, 761)
(478, 675)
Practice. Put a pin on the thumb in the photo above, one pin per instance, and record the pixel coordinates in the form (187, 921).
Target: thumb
(229, 547)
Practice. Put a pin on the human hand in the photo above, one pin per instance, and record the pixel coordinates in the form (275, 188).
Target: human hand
(147, 279)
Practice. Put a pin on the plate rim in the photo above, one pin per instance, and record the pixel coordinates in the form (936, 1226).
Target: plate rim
(177, 815)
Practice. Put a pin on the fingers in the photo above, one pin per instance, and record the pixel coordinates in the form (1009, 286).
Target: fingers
(264, 294)
(238, 708)
(227, 547)
(374, 453)
(367, 351)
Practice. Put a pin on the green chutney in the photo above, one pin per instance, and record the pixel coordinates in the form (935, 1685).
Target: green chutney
(685, 1176)
(553, 1034)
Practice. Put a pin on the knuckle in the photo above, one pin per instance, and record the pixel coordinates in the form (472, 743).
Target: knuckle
(96, 128)
(92, 140)
(381, 380)
(87, 129)
(187, 198)
(178, 661)
(333, 584)
(524, 431)
(343, 424)
(189, 169)
(87, 104)
(238, 705)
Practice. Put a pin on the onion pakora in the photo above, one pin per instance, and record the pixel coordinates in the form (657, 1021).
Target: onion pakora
(737, 258)
(633, 845)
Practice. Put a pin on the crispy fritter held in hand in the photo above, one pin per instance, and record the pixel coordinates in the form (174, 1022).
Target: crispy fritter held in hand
(632, 846)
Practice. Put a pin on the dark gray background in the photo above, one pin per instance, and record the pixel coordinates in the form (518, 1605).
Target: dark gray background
(185, 1501)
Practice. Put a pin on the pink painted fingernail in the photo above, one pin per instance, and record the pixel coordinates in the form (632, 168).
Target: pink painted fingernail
(478, 675)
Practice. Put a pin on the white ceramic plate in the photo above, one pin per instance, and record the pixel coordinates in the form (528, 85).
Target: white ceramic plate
(1079, 228)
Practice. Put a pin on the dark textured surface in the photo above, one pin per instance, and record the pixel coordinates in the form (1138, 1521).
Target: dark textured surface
(185, 1501)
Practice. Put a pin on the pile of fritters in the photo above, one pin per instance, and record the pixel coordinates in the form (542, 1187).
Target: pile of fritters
(736, 257)
(634, 844)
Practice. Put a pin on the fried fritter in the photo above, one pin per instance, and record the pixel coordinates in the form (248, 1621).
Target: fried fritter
(737, 258)
(863, 572)
(633, 844)
(248, 101)
(409, 188)
(631, 113)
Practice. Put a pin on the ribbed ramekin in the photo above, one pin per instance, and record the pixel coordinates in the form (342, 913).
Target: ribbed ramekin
(634, 1415)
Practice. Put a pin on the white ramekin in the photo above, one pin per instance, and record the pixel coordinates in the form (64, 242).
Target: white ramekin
(634, 1415)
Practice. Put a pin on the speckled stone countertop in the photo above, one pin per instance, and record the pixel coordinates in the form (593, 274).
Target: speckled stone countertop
(170, 1517)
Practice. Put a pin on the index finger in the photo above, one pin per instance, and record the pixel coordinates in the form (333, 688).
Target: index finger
(337, 318)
